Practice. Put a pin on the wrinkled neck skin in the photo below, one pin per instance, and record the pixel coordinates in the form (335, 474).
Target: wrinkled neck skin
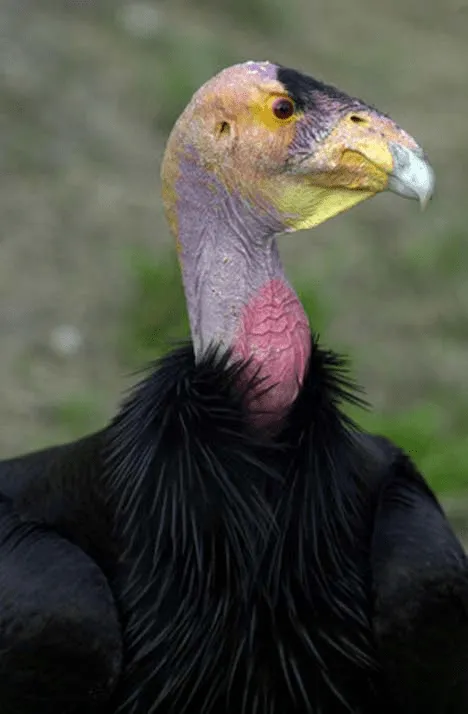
(237, 294)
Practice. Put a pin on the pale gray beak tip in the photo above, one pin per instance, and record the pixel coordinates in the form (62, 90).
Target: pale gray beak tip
(412, 175)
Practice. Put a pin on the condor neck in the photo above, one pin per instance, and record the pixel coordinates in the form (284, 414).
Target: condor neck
(238, 296)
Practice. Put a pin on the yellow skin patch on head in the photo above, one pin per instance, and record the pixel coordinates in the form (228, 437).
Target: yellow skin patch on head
(307, 206)
(169, 197)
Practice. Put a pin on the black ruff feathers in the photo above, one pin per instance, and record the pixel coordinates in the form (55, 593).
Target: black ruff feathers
(242, 584)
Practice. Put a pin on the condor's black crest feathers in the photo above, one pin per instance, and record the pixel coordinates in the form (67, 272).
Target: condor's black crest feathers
(226, 524)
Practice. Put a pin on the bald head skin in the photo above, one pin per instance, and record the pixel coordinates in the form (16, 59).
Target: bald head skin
(262, 150)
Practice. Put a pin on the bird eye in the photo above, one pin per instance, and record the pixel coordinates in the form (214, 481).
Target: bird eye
(283, 108)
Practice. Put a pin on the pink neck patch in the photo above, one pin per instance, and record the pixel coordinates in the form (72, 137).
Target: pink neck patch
(274, 335)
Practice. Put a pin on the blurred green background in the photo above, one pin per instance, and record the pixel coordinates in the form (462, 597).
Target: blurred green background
(89, 287)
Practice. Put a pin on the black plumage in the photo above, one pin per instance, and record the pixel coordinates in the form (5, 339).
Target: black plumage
(60, 635)
(312, 572)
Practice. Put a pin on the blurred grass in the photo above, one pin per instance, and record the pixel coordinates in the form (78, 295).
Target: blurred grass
(267, 16)
(187, 65)
(155, 318)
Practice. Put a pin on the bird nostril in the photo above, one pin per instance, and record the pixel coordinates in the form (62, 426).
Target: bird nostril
(223, 128)
(356, 119)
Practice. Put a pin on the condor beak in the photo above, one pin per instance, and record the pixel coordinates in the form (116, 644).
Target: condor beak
(411, 176)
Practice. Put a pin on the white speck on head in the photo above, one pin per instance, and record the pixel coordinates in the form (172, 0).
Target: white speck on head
(261, 68)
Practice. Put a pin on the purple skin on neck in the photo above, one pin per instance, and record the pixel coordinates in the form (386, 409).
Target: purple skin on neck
(237, 294)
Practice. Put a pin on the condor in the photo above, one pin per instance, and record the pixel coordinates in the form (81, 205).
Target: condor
(232, 543)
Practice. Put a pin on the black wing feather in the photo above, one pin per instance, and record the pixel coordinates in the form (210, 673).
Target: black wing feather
(60, 641)
(420, 586)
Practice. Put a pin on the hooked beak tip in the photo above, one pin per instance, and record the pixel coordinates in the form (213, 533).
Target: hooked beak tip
(412, 175)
